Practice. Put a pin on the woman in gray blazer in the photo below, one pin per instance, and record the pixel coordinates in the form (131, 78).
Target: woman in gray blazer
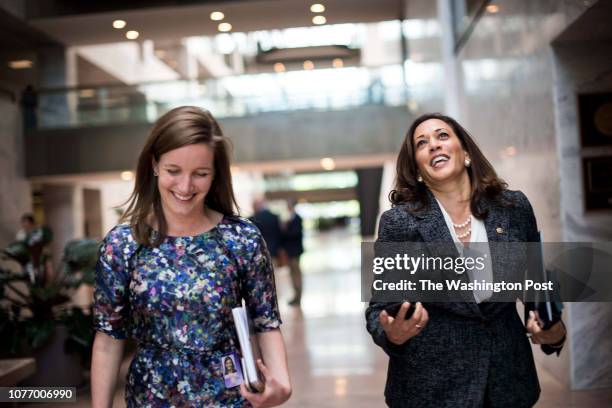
(457, 354)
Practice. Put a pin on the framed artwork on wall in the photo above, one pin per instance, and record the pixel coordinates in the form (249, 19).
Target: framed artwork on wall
(595, 112)
(597, 182)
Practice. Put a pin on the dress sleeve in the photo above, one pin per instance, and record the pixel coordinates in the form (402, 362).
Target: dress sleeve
(259, 289)
(111, 291)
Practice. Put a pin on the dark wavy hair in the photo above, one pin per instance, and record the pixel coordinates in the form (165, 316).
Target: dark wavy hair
(182, 126)
(483, 178)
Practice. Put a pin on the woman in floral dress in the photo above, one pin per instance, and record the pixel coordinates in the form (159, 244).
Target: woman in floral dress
(170, 276)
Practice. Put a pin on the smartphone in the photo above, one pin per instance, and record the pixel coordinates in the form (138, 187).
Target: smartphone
(393, 308)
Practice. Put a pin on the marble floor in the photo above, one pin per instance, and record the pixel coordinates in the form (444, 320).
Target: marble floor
(332, 360)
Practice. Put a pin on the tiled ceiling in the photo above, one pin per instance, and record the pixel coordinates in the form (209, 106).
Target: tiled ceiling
(167, 23)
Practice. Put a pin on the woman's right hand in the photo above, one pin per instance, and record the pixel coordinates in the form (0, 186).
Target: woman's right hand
(275, 393)
(398, 329)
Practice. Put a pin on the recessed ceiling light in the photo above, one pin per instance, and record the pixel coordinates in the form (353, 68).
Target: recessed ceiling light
(132, 35)
(127, 175)
(119, 24)
(217, 16)
(20, 64)
(87, 93)
(510, 151)
(318, 20)
(225, 27)
(279, 67)
(337, 63)
(317, 8)
(492, 8)
(328, 163)
(308, 64)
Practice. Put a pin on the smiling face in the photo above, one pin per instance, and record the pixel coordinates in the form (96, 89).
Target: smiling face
(438, 152)
(185, 177)
(229, 366)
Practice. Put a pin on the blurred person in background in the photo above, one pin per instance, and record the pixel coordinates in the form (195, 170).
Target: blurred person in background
(292, 243)
(171, 275)
(29, 106)
(35, 240)
(470, 354)
(269, 225)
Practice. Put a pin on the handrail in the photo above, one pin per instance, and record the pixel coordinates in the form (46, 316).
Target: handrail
(230, 96)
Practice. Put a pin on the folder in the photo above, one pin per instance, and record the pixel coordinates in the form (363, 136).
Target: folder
(548, 310)
(249, 348)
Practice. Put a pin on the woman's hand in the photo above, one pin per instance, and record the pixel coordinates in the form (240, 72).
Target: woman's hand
(274, 394)
(398, 329)
(553, 335)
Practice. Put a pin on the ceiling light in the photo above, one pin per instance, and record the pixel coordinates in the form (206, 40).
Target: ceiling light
(308, 64)
(87, 93)
(127, 175)
(510, 151)
(225, 27)
(132, 35)
(317, 8)
(337, 63)
(279, 67)
(492, 8)
(217, 16)
(319, 20)
(119, 24)
(20, 64)
(328, 163)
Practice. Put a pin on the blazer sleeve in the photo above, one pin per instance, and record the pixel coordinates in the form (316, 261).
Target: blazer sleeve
(387, 232)
(531, 228)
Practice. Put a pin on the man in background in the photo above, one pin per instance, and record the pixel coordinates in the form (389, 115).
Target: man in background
(269, 225)
(293, 235)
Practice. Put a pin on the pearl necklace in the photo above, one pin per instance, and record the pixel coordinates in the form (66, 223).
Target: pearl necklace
(463, 225)
(465, 234)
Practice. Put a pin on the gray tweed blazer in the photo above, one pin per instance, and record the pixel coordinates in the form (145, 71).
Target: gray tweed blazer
(468, 355)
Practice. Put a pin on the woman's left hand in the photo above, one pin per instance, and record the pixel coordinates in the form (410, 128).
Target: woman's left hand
(553, 335)
(274, 394)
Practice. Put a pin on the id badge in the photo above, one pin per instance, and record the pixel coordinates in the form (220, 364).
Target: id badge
(232, 372)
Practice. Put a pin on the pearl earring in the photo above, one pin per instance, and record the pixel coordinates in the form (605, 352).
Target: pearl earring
(155, 174)
(467, 162)
(419, 178)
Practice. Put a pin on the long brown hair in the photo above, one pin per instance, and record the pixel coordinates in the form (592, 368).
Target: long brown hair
(483, 179)
(182, 126)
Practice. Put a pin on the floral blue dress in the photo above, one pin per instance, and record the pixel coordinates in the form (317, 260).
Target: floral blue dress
(175, 301)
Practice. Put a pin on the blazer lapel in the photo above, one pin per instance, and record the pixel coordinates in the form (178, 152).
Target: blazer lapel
(497, 225)
(433, 229)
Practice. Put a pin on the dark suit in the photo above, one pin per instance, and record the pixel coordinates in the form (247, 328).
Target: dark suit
(269, 225)
(468, 355)
(293, 236)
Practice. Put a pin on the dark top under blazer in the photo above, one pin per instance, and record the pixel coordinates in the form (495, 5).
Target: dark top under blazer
(468, 355)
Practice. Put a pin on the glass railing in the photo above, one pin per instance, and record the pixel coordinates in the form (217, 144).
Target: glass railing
(233, 96)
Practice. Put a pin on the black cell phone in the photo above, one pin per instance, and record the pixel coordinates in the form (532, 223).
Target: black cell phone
(392, 309)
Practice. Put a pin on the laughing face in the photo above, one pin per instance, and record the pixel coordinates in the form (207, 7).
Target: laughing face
(185, 176)
(438, 152)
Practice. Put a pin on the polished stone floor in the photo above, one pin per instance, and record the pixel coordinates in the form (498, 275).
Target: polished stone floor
(332, 359)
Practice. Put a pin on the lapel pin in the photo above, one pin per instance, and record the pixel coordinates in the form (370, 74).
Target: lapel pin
(499, 230)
